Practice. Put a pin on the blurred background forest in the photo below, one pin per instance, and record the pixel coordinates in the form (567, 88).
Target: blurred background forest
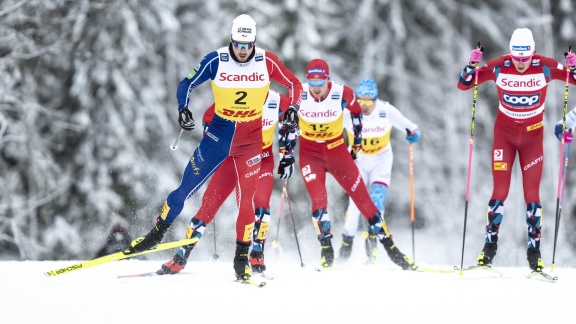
(88, 112)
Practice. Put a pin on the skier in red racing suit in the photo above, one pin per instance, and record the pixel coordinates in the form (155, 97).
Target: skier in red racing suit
(521, 78)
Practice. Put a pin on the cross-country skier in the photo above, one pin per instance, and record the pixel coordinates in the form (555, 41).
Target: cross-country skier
(521, 78)
(240, 75)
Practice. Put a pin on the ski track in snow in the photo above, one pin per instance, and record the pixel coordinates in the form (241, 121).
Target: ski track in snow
(205, 292)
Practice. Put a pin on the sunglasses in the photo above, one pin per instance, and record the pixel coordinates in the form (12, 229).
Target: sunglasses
(365, 102)
(317, 83)
(522, 59)
(240, 46)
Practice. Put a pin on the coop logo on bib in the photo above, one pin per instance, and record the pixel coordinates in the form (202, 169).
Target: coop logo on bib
(521, 101)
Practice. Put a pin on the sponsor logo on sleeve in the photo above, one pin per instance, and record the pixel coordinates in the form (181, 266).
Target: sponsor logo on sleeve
(224, 57)
(258, 57)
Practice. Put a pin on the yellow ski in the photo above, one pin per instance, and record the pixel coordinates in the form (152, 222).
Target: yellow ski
(118, 256)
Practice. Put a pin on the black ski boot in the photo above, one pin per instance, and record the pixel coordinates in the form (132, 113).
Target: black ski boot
(346, 248)
(488, 253)
(396, 256)
(241, 264)
(371, 244)
(534, 259)
(151, 240)
(327, 253)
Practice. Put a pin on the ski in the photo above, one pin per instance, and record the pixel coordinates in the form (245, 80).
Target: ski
(117, 256)
(433, 270)
(479, 267)
(139, 275)
(263, 275)
(542, 276)
(251, 282)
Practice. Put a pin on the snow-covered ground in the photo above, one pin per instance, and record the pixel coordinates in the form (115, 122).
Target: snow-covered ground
(350, 293)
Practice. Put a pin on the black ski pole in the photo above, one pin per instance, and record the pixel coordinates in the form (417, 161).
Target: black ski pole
(293, 224)
(472, 126)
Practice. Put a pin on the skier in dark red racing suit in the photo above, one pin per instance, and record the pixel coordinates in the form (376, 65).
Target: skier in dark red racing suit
(521, 78)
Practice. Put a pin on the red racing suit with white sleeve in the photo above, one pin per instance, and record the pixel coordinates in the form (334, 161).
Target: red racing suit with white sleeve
(323, 150)
(519, 128)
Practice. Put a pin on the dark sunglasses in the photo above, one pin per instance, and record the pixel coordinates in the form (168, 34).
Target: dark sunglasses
(240, 46)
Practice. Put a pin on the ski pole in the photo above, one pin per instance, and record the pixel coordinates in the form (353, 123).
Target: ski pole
(276, 244)
(412, 217)
(472, 126)
(174, 146)
(561, 170)
(567, 139)
(293, 224)
(215, 255)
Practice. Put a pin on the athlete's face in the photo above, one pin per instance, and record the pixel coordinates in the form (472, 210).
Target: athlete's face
(367, 104)
(521, 63)
(318, 87)
(242, 50)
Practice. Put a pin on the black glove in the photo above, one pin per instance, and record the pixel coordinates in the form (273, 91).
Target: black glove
(291, 116)
(286, 168)
(186, 120)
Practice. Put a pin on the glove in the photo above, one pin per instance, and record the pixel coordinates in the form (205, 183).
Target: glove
(355, 150)
(291, 116)
(413, 136)
(558, 131)
(185, 119)
(570, 59)
(475, 56)
(568, 137)
(286, 168)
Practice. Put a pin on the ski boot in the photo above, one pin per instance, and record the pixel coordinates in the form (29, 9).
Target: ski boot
(241, 264)
(257, 261)
(396, 256)
(371, 247)
(534, 260)
(151, 240)
(327, 253)
(488, 253)
(173, 266)
(346, 248)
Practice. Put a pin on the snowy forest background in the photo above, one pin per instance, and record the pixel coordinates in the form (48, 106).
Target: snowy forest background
(88, 112)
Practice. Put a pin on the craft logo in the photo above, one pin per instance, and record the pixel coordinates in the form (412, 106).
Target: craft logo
(251, 173)
(356, 183)
(194, 167)
(224, 57)
(533, 163)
